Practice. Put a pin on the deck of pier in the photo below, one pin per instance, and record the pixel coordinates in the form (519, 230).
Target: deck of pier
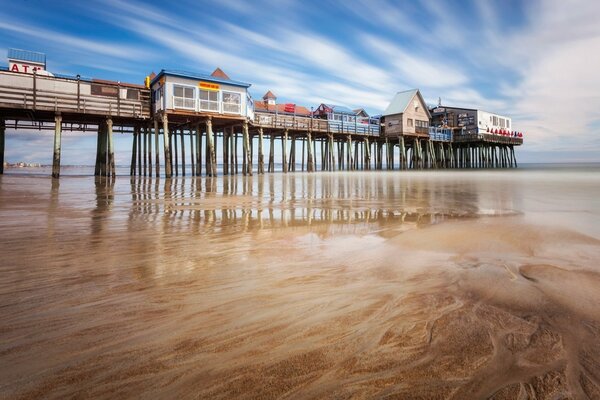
(41, 102)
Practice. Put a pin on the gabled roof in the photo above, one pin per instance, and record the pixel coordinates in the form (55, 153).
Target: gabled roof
(361, 110)
(280, 108)
(339, 109)
(26, 55)
(218, 73)
(401, 101)
(193, 75)
(269, 95)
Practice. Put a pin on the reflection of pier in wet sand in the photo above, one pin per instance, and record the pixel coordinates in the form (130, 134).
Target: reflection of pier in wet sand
(333, 285)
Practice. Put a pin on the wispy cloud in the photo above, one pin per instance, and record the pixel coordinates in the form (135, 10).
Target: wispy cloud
(534, 61)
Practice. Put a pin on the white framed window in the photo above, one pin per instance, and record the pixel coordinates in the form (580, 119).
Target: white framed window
(159, 98)
(209, 100)
(184, 97)
(232, 102)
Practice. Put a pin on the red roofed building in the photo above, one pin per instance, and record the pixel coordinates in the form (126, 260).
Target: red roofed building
(268, 104)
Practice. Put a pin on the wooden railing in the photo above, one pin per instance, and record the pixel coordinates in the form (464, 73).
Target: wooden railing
(70, 95)
(291, 122)
(487, 137)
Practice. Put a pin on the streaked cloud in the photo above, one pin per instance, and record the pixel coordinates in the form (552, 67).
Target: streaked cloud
(534, 61)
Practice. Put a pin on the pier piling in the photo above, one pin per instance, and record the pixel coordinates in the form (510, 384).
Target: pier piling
(57, 140)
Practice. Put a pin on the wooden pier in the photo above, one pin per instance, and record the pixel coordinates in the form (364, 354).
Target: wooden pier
(179, 128)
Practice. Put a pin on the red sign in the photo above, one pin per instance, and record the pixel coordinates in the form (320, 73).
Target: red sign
(24, 68)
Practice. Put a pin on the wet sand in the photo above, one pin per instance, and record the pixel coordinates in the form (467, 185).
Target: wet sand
(449, 285)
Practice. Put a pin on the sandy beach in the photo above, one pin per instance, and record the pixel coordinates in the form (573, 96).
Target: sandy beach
(421, 285)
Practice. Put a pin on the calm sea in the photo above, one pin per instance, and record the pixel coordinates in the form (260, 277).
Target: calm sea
(421, 284)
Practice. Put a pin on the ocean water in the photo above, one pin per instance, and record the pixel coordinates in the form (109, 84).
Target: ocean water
(422, 284)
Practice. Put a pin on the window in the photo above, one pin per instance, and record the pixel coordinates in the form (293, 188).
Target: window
(508, 123)
(184, 97)
(495, 122)
(410, 123)
(337, 117)
(104, 90)
(133, 94)
(232, 102)
(158, 98)
(421, 124)
(209, 101)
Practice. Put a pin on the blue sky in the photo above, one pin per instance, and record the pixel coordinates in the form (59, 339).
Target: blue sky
(536, 61)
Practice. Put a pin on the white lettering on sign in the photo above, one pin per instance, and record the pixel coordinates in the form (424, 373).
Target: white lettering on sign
(24, 67)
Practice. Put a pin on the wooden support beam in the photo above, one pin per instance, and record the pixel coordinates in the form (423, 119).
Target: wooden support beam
(149, 155)
(271, 152)
(310, 163)
(284, 139)
(142, 163)
(261, 156)
(235, 151)
(175, 152)
(111, 148)
(350, 158)
(367, 154)
(156, 147)
(302, 157)
(134, 148)
(99, 141)
(181, 133)
(247, 157)
(166, 146)
(138, 151)
(198, 149)
(211, 165)
(192, 148)
(57, 146)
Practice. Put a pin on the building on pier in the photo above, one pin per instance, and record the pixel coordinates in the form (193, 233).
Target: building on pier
(472, 122)
(344, 120)
(407, 115)
(182, 93)
(269, 105)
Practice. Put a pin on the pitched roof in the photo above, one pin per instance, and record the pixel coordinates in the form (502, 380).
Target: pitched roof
(26, 55)
(269, 95)
(279, 108)
(218, 73)
(401, 100)
(340, 109)
(194, 75)
(360, 110)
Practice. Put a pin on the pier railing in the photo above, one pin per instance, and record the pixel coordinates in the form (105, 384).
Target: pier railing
(440, 134)
(292, 122)
(488, 138)
(300, 123)
(72, 95)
